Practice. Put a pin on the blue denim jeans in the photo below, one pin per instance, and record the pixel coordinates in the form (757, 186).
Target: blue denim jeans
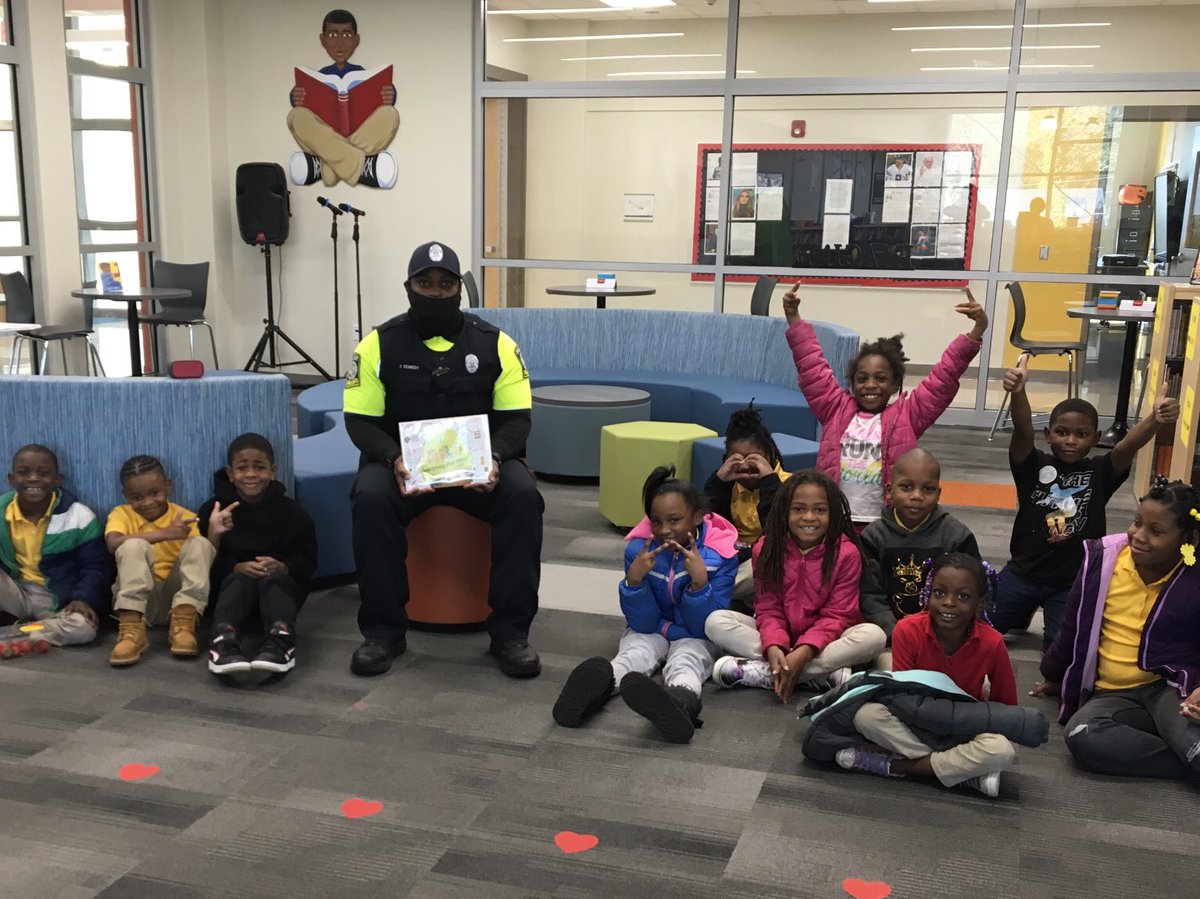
(1017, 599)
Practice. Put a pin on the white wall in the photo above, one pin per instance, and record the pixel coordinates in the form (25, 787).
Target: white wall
(222, 73)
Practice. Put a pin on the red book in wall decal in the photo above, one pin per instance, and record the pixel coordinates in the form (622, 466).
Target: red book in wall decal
(344, 102)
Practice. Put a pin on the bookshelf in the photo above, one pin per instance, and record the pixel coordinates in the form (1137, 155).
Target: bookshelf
(1175, 358)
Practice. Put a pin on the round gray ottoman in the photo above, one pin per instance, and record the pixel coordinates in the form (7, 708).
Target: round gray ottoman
(566, 425)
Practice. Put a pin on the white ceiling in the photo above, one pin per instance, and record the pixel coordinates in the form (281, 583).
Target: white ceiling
(700, 9)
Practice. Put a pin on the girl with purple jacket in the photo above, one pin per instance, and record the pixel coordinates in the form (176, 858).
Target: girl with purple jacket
(861, 434)
(1126, 660)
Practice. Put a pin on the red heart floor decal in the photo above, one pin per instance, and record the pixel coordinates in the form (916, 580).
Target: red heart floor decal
(137, 772)
(361, 808)
(866, 889)
(569, 841)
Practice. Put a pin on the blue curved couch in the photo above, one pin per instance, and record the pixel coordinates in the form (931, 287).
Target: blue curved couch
(698, 367)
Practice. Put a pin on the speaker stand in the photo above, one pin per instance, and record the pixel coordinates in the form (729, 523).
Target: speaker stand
(266, 343)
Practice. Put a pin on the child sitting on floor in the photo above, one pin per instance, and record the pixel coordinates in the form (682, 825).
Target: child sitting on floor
(950, 638)
(912, 529)
(1127, 658)
(807, 625)
(679, 568)
(266, 554)
(1061, 497)
(862, 431)
(742, 490)
(54, 568)
(162, 563)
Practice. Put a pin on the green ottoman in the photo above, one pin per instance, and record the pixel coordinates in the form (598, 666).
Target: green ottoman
(629, 451)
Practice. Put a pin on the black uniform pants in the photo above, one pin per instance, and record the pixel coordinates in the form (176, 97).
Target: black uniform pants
(275, 598)
(381, 516)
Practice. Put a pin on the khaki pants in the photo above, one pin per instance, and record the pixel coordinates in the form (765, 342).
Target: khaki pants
(983, 755)
(138, 590)
(738, 633)
(32, 601)
(342, 157)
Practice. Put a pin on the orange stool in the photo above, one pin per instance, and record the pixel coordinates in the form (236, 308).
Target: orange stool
(449, 565)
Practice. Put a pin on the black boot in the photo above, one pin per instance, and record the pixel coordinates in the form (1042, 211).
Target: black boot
(587, 691)
(675, 711)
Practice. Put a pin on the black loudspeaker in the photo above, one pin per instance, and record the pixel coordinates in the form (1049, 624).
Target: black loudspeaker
(262, 202)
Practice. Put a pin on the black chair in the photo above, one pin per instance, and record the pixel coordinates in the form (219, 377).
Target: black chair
(187, 313)
(473, 299)
(760, 300)
(19, 299)
(1073, 350)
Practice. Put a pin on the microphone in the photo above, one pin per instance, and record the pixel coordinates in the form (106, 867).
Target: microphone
(346, 207)
(329, 206)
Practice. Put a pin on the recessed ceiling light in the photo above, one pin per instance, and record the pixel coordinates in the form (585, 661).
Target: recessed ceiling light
(964, 68)
(1071, 25)
(1005, 47)
(591, 37)
(1056, 65)
(638, 4)
(952, 28)
(696, 72)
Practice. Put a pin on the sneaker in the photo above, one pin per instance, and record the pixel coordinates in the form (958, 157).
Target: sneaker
(181, 631)
(872, 761)
(225, 653)
(834, 678)
(304, 168)
(379, 171)
(278, 651)
(131, 639)
(587, 690)
(730, 671)
(987, 784)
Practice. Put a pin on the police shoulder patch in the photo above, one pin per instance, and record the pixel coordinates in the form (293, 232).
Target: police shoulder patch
(521, 359)
(352, 373)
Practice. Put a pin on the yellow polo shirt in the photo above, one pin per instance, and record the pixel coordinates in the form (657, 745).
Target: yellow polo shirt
(123, 520)
(27, 539)
(1126, 608)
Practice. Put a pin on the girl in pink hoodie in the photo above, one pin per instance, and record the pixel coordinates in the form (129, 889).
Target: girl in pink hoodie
(807, 627)
(861, 434)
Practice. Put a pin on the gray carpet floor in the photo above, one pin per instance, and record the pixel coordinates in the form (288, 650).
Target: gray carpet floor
(473, 780)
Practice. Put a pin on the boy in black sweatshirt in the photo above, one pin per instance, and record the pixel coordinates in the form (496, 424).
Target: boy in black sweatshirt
(911, 529)
(266, 554)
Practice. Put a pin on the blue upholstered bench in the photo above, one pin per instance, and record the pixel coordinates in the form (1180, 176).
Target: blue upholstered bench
(95, 424)
(697, 367)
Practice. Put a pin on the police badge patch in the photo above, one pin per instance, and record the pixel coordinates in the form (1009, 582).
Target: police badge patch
(472, 362)
(352, 373)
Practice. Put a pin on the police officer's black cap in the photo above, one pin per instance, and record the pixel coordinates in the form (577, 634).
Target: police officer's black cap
(433, 255)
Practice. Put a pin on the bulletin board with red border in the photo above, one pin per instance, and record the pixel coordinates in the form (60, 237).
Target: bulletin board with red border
(907, 207)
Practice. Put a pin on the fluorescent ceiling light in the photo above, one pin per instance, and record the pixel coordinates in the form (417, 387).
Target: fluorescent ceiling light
(1071, 25)
(637, 4)
(554, 12)
(952, 28)
(642, 56)
(591, 37)
(1056, 65)
(1004, 47)
(964, 68)
(680, 72)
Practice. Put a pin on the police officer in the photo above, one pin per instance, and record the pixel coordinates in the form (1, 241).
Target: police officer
(434, 362)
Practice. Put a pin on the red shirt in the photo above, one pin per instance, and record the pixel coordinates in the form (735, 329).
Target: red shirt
(915, 647)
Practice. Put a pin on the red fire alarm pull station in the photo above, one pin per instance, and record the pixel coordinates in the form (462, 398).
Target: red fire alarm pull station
(798, 128)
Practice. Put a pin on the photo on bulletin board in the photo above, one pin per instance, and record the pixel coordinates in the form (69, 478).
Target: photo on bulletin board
(712, 171)
(741, 204)
(924, 241)
(835, 206)
(899, 167)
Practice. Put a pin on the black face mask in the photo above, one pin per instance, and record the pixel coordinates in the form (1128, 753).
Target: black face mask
(435, 316)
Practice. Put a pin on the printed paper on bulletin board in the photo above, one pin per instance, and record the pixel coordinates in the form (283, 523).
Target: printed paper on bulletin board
(1185, 416)
(886, 204)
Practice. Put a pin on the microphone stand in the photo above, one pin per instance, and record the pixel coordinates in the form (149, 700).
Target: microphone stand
(358, 334)
(333, 235)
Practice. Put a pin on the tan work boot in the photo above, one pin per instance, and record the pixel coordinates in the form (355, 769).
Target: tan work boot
(181, 631)
(131, 639)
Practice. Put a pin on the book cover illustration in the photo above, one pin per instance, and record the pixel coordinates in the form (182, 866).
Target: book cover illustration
(447, 452)
(343, 102)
